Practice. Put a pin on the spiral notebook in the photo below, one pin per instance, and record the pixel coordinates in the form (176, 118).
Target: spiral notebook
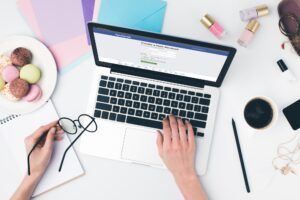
(14, 128)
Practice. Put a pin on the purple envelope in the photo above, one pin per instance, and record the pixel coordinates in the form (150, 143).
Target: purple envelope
(88, 10)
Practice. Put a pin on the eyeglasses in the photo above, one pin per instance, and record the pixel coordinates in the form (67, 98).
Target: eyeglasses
(69, 126)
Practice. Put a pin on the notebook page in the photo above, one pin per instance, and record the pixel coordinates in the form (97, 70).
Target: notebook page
(14, 133)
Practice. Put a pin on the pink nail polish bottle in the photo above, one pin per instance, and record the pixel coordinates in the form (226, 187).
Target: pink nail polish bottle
(248, 33)
(214, 27)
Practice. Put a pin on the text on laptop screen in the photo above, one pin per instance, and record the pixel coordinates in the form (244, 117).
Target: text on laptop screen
(159, 55)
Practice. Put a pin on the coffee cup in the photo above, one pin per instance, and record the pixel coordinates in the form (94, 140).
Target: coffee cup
(260, 113)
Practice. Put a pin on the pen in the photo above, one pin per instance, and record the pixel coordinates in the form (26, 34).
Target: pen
(240, 156)
(43, 136)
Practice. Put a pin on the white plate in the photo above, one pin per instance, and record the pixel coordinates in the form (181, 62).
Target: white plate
(43, 58)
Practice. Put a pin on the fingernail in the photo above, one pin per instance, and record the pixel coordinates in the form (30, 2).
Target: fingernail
(52, 130)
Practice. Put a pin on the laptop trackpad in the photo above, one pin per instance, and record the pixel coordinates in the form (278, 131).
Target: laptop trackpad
(140, 146)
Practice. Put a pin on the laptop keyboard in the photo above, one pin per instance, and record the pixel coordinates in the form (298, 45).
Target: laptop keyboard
(147, 105)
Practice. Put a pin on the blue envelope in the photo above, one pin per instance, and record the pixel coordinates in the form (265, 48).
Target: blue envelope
(147, 15)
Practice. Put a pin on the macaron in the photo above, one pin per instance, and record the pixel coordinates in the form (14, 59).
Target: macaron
(10, 73)
(2, 84)
(34, 94)
(7, 93)
(19, 88)
(4, 60)
(30, 73)
(21, 56)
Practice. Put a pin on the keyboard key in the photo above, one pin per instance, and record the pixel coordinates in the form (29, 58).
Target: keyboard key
(167, 110)
(207, 96)
(104, 99)
(195, 100)
(136, 97)
(175, 90)
(175, 112)
(110, 84)
(121, 118)
(112, 116)
(121, 102)
(205, 109)
(161, 116)
(174, 104)
(148, 91)
(154, 115)
(179, 97)
(103, 91)
(164, 94)
(135, 83)
(146, 114)
(112, 79)
(103, 106)
(104, 77)
(128, 103)
(199, 124)
(125, 87)
(131, 111)
(187, 98)
(183, 91)
(144, 122)
(133, 88)
(116, 108)
(159, 87)
(167, 102)
(151, 99)
(144, 106)
(104, 115)
(118, 86)
(143, 84)
(143, 98)
(167, 88)
(158, 101)
(191, 93)
(199, 94)
(151, 86)
(190, 115)
(97, 113)
(171, 95)
(197, 108)
(141, 90)
(189, 106)
(200, 134)
(139, 113)
(156, 93)
(128, 81)
(204, 101)
(113, 100)
(103, 83)
(201, 116)
(120, 94)
(113, 93)
(151, 107)
(120, 80)
(128, 95)
(182, 113)
(123, 110)
(136, 104)
(182, 105)
(159, 108)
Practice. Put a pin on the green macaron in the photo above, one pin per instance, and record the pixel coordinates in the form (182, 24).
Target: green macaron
(30, 73)
(2, 84)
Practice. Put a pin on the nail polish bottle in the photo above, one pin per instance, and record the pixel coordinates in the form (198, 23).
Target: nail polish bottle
(214, 27)
(248, 33)
(253, 13)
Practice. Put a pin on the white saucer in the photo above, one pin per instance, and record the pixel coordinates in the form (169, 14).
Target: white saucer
(43, 58)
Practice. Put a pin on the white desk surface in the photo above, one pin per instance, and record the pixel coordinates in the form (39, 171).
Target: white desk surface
(253, 72)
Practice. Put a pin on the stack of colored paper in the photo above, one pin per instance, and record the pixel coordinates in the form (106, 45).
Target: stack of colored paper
(61, 26)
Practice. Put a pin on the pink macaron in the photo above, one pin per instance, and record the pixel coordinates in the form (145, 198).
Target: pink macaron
(10, 73)
(34, 94)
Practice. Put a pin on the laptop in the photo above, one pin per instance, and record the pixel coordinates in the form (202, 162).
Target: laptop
(143, 77)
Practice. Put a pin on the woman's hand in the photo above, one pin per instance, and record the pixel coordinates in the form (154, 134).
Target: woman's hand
(177, 148)
(40, 157)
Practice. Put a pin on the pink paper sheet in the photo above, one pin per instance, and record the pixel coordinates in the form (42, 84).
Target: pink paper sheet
(65, 53)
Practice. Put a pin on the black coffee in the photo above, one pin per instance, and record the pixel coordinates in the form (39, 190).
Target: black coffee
(258, 113)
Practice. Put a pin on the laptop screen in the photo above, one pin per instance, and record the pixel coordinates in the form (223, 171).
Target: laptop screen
(159, 55)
